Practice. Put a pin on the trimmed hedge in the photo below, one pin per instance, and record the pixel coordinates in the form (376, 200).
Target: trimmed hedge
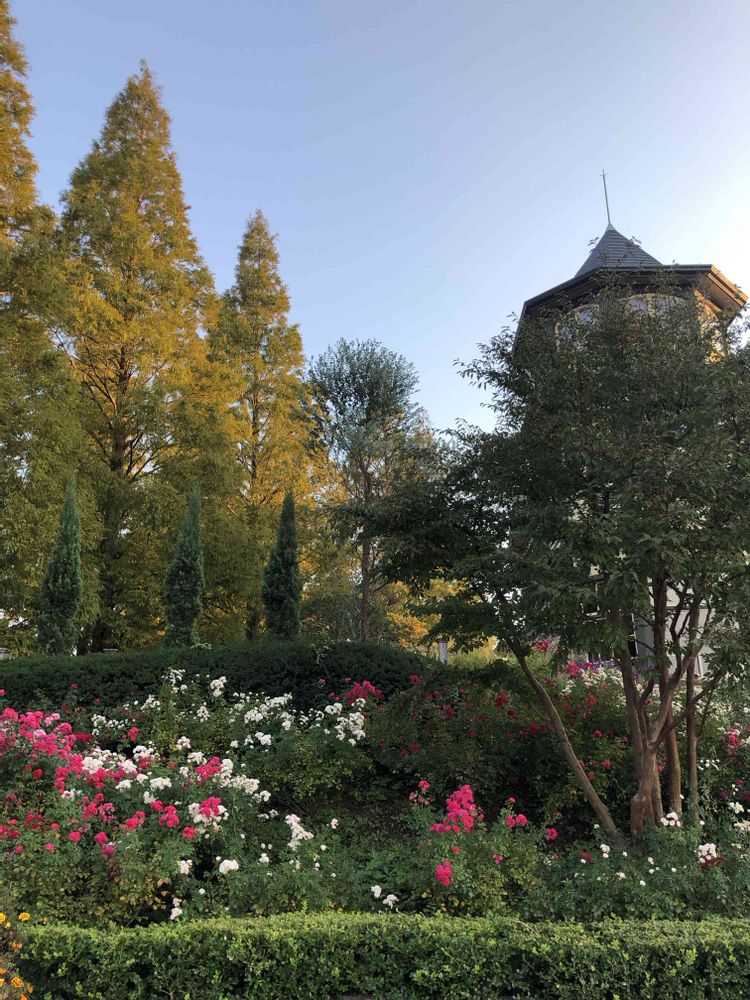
(271, 667)
(332, 955)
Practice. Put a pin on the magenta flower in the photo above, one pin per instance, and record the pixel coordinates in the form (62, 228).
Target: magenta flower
(444, 873)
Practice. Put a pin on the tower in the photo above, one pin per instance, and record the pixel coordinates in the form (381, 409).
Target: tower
(644, 276)
(645, 282)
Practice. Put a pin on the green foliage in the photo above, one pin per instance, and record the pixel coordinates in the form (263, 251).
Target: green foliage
(282, 580)
(271, 667)
(366, 418)
(613, 489)
(183, 584)
(60, 595)
(331, 955)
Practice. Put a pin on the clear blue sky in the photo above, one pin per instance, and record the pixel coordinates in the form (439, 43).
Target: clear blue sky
(428, 165)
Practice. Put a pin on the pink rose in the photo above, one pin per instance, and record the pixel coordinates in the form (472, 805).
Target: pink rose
(444, 873)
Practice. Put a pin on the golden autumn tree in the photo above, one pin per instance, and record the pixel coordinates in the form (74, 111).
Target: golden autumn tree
(254, 337)
(153, 407)
(38, 440)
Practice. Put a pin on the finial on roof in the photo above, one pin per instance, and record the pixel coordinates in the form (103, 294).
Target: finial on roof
(606, 199)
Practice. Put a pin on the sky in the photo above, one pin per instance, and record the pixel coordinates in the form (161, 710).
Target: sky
(427, 165)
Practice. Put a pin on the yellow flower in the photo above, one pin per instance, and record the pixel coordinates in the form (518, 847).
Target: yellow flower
(16, 981)
(3, 918)
(24, 916)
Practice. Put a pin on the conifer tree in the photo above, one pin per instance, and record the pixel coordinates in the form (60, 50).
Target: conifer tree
(62, 586)
(183, 583)
(282, 580)
(38, 436)
(254, 336)
(150, 400)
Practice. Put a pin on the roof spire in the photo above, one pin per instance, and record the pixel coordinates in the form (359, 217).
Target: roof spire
(606, 199)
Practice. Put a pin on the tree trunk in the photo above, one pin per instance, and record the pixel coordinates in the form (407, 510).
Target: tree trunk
(692, 746)
(645, 805)
(365, 596)
(674, 769)
(674, 774)
(592, 797)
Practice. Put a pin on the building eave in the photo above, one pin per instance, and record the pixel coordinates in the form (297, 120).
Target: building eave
(708, 279)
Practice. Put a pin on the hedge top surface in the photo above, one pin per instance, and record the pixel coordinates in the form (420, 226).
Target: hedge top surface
(273, 667)
(331, 955)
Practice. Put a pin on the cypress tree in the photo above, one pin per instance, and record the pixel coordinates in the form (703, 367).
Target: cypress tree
(183, 584)
(282, 581)
(60, 594)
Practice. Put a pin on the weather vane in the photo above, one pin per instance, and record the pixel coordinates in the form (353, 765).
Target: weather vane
(606, 199)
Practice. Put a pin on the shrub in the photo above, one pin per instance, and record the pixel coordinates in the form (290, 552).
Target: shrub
(271, 667)
(330, 955)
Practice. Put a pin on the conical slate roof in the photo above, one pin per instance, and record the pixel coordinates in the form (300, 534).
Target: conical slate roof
(617, 252)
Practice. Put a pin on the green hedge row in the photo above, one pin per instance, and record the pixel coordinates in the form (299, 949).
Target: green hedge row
(271, 667)
(334, 955)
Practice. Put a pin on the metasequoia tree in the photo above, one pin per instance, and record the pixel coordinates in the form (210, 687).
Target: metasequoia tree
(253, 336)
(367, 419)
(613, 494)
(152, 406)
(38, 434)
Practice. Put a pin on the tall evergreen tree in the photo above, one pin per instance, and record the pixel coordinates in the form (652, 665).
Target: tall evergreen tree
(183, 583)
(62, 586)
(282, 580)
(152, 405)
(253, 335)
(37, 428)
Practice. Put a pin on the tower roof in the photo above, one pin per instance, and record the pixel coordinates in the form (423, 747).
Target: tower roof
(618, 253)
